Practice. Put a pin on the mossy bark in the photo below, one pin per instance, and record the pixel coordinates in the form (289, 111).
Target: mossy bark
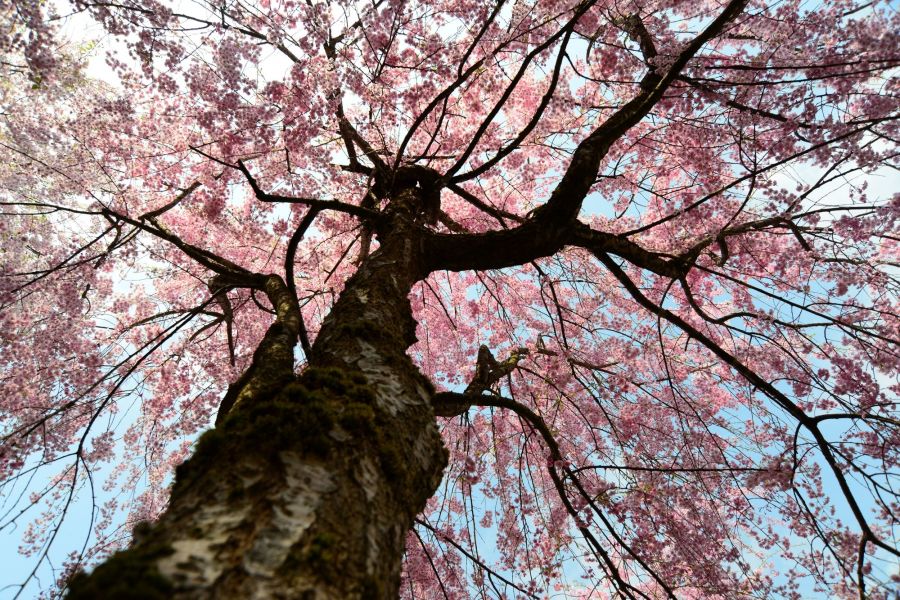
(308, 487)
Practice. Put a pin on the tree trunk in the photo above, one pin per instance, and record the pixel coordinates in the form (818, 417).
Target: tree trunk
(308, 487)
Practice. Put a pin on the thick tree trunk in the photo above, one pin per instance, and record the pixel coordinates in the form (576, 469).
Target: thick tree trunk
(308, 487)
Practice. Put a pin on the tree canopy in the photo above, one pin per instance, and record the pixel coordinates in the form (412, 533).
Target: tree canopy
(650, 250)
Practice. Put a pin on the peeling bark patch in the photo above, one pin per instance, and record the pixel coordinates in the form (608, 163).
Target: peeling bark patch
(391, 396)
(220, 534)
(368, 478)
(195, 561)
(370, 481)
(423, 394)
(294, 512)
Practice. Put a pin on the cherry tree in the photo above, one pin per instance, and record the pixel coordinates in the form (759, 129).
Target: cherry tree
(473, 299)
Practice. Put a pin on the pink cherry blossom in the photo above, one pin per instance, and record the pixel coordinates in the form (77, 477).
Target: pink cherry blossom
(633, 265)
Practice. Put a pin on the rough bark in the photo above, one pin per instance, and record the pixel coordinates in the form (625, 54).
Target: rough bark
(309, 485)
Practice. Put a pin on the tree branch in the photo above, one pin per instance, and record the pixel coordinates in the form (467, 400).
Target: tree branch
(551, 225)
(351, 209)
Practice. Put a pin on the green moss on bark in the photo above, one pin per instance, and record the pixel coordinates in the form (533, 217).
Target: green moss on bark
(127, 575)
(302, 417)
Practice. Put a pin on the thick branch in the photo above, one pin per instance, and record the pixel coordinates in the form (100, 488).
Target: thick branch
(273, 360)
(551, 225)
(289, 258)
